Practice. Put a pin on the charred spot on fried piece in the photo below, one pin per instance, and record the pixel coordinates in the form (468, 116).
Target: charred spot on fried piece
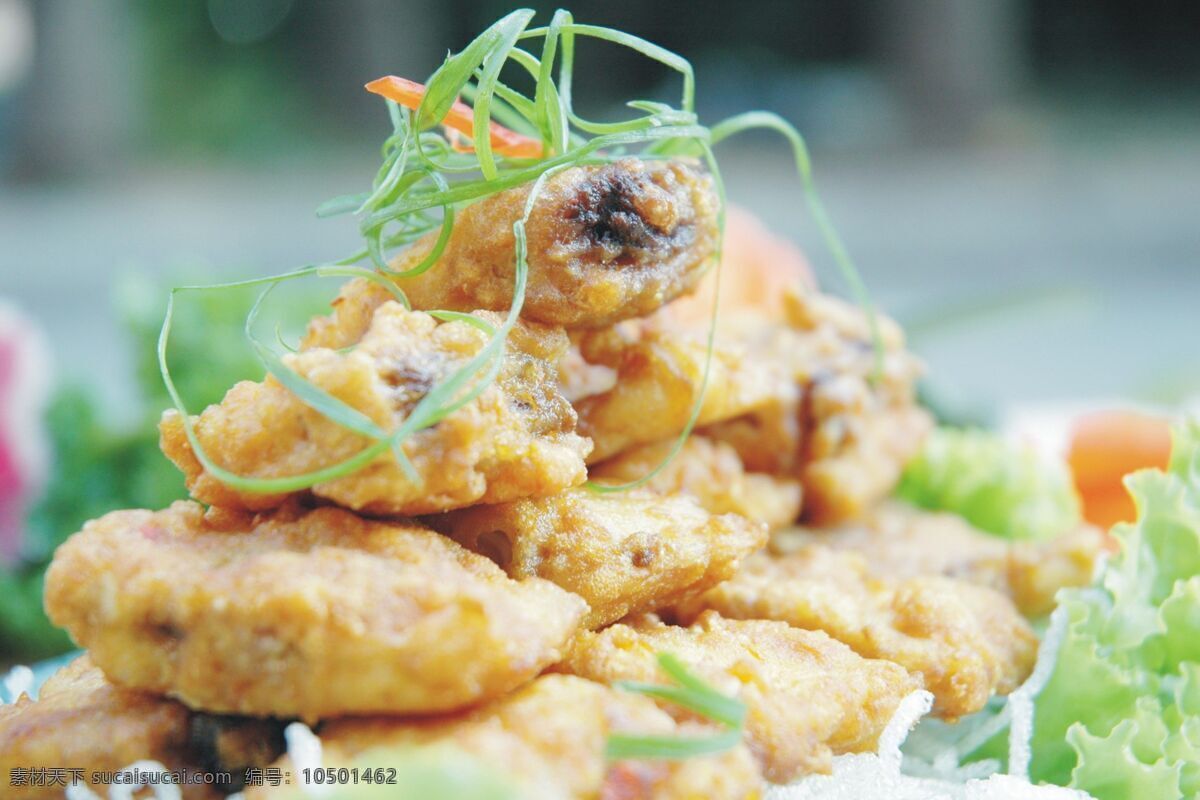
(604, 243)
(625, 213)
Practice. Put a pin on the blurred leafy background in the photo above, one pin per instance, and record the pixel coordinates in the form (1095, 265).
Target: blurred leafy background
(1016, 178)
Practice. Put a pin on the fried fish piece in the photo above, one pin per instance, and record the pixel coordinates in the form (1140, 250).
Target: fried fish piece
(711, 472)
(303, 613)
(82, 721)
(659, 373)
(622, 553)
(517, 438)
(795, 397)
(847, 433)
(546, 741)
(846, 457)
(604, 243)
(901, 541)
(808, 696)
(965, 641)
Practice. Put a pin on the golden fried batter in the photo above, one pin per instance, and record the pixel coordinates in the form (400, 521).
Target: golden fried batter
(622, 552)
(301, 613)
(794, 397)
(659, 369)
(605, 243)
(900, 541)
(82, 721)
(965, 641)
(809, 697)
(547, 741)
(711, 472)
(844, 435)
(516, 439)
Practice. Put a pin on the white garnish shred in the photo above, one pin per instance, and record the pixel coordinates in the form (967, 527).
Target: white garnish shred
(18, 681)
(878, 775)
(304, 749)
(1021, 702)
(905, 718)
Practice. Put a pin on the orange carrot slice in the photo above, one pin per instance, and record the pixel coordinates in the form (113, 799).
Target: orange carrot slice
(1105, 447)
(460, 118)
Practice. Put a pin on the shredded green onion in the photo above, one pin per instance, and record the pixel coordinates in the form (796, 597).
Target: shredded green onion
(423, 179)
(695, 695)
(765, 120)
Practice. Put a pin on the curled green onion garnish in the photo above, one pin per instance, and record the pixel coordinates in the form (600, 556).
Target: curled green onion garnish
(441, 155)
(765, 120)
(696, 696)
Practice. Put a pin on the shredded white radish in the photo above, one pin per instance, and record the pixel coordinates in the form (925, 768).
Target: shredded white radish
(907, 715)
(18, 681)
(878, 775)
(304, 749)
(1021, 702)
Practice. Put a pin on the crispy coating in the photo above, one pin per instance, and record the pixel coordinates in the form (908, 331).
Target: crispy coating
(900, 541)
(965, 641)
(604, 243)
(808, 696)
(81, 720)
(547, 741)
(516, 439)
(794, 397)
(713, 473)
(659, 370)
(301, 613)
(846, 436)
(353, 310)
(622, 553)
(578, 377)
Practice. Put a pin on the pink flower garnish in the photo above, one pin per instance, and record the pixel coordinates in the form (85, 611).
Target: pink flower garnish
(24, 456)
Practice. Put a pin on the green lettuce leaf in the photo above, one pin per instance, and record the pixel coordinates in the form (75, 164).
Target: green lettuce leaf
(1120, 715)
(1001, 487)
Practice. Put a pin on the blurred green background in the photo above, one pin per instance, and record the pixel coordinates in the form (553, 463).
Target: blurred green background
(1016, 179)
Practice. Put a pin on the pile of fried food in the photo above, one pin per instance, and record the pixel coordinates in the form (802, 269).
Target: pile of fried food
(496, 602)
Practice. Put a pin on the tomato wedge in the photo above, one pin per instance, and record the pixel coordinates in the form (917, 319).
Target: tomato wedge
(1105, 447)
